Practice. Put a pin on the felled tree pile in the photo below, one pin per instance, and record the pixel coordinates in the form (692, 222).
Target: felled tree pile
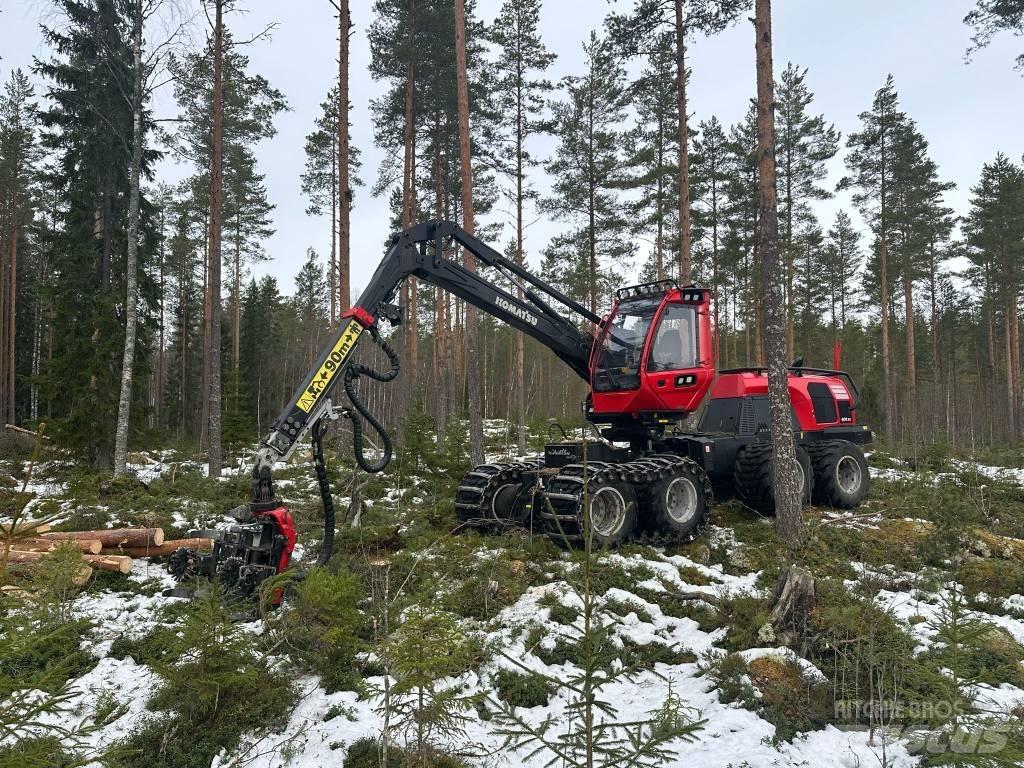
(108, 549)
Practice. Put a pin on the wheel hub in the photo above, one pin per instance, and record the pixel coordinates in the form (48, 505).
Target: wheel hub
(848, 474)
(607, 511)
(681, 500)
(802, 480)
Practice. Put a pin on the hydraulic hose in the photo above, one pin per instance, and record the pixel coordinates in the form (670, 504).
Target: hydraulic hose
(325, 492)
(352, 374)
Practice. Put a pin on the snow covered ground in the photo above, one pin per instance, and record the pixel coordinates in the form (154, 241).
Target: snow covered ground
(731, 735)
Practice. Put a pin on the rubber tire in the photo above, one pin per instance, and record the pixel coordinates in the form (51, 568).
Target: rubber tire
(752, 476)
(605, 483)
(827, 456)
(660, 518)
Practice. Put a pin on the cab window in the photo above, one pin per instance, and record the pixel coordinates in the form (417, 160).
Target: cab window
(675, 340)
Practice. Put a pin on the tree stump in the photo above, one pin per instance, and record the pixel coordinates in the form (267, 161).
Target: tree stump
(791, 606)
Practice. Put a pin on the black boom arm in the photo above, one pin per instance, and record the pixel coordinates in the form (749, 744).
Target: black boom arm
(419, 251)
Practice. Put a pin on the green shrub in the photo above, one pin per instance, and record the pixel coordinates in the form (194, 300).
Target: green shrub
(521, 690)
(744, 616)
(564, 614)
(39, 752)
(155, 647)
(214, 689)
(321, 625)
(366, 753)
(646, 655)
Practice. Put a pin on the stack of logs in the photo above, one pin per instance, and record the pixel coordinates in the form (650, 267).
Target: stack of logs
(109, 549)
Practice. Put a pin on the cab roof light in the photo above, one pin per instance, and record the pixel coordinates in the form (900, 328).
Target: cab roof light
(655, 288)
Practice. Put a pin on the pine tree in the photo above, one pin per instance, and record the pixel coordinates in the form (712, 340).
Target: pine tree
(994, 233)
(843, 259)
(395, 44)
(311, 303)
(920, 222)
(19, 160)
(651, 150)
(519, 93)
(247, 224)
(811, 292)
(214, 87)
(991, 17)
(472, 362)
(320, 181)
(632, 33)
(871, 159)
(344, 162)
(784, 467)
(805, 144)
(712, 169)
(88, 125)
(587, 171)
(741, 218)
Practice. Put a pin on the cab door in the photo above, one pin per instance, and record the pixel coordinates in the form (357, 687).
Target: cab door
(674, 372)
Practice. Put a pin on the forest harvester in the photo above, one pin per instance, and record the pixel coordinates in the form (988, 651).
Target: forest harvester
(637, 471)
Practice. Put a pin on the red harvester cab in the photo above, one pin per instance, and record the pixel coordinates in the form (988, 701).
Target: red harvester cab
(654, 354)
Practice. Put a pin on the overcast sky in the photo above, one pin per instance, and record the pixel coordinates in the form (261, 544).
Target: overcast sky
(968, 112)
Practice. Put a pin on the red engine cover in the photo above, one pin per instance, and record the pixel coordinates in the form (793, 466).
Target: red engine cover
(819, 400)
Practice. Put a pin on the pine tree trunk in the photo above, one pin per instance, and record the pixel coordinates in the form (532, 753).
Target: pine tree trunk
(12, 299)
(344, 192)
(12, 317)
(685, 267)
(1011, 404)
(131, 265)
(714, 263)
(790, 307)
(236, 309)
(5, 325)
(409, 192)
(1015, 360)
(216, 196)
(161, 359)
(518, 362)
(883, 255)
(332, 282)
(910, 417)
(786, 480)
(934, 325)
(476, 427)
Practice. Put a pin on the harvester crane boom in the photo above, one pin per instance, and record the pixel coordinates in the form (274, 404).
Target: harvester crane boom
(419, 251)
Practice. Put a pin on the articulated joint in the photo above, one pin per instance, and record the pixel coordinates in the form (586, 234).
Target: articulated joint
(360, 315)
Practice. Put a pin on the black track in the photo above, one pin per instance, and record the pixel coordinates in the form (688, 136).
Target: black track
(561, 513)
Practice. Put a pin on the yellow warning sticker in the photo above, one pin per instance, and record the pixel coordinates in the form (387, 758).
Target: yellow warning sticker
(334, 362)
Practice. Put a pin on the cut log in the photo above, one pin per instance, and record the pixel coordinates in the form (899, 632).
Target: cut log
(167, 548)
(118, 564)
(40, 544)
(116, 537)
(27, 569)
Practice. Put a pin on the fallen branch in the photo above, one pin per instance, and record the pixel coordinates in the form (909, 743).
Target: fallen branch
(704, 596)
(23, 431)
(115, 563)
(167, 548)
(31, 528)
(115, 537)
(41, 544)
